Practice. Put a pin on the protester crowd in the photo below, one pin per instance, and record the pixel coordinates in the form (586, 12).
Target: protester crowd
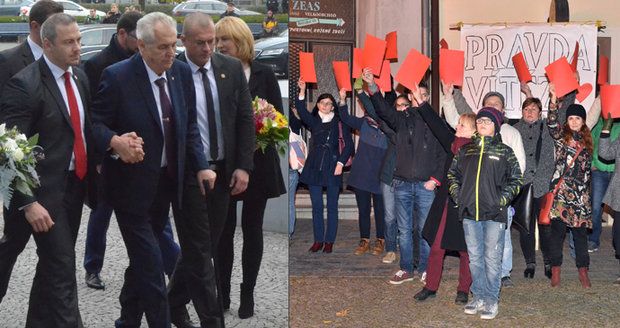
(137, 132)
(458, 181)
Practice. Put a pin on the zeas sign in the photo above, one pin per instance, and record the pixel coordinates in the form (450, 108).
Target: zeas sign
(488, 59)
(322, 20)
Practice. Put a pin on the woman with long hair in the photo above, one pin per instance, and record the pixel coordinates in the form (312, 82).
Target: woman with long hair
(324, 164)
(234, 38)
(572, 206)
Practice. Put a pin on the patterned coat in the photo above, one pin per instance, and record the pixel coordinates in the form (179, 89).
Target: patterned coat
(572, 203)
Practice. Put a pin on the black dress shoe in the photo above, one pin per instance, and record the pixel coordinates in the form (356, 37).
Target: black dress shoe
(461, 298)
(424, 294)
(93, 280)
(246, 308)
(530, 269)
(180, 318)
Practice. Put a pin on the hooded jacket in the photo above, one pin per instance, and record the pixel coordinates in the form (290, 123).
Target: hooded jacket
(484, 178)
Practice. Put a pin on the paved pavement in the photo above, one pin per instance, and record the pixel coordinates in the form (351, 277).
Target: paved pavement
(344, 290)
(101, 308)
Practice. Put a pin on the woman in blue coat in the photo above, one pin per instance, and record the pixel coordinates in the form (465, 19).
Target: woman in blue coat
(364, 175)
(324, 164)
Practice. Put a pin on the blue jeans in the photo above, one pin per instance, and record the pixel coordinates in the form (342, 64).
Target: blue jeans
(293, 180)
(98, 224)
(413, 203)
(600, 181)
(316, 197)
(507, 254)
(390, 228)
(485, 244)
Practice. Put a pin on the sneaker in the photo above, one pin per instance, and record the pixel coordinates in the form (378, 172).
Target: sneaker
(423, 277)
(489, 312)
(363, 247)
(507, 282)
(379, 246)
(389, 258)
(592, 248)
(400, 277)
(422, 295)
(474, 306)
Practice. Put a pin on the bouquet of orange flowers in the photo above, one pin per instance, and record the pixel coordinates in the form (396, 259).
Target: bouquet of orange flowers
(270, 125)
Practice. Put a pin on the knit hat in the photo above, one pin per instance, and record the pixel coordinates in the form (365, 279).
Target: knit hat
(494, 94)
(493, 114)
(576, 110)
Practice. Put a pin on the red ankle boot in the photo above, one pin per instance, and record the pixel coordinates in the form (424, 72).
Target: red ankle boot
(583, 277)
(555, 276)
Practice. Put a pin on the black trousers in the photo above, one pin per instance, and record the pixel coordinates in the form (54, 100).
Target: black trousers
(556, 244)
(53, 297)
(199, 224)
(616, 233)
(528, 240)
(144, 288)
(252, 252)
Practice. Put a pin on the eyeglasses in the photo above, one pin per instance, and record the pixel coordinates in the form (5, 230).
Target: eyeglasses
(484, 121)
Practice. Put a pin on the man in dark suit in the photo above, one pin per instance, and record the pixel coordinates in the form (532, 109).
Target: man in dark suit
(123, 44)
(150, 95)
(229, 141)
(50, 98)
(15, 59)
(12, 61)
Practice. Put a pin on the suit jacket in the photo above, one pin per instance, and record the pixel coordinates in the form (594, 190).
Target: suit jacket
(125, 103)
(236, 113)
(267, 180)
(32, 102)
(14, 60)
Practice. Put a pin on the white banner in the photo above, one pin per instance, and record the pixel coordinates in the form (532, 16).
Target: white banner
(488, 60)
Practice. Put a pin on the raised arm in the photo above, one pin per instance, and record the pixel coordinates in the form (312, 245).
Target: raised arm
(343, 110)
(448, 104)
(300, 104)
(555, 130)
(437, 126)
(607, 149)
(381, 106)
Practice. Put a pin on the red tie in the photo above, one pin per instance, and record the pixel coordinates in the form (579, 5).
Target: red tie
(78, 142)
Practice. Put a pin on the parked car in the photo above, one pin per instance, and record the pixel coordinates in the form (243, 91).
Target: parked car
(13, 9)
(97, 34)
(70, 8)
(210, 7)
(273, 51)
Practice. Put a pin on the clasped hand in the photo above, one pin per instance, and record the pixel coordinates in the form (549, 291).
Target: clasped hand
(129, 147)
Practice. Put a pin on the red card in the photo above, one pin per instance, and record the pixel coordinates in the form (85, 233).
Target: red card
(372, 55)
(341, 72)
(413, 69)
(560, 73)
(357, 62)
(573, 63)
(443, 44)
(307, 72)
(521, 67)
(451, 66)
(610, 100)
(383, 82)
(392, 46)
(603, 70)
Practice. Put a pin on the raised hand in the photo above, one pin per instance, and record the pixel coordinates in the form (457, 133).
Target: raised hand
(447, 89)
(552, 94)
(302, 87)
(525, 88)
(343, 96)
(367, 76)
(609, 122)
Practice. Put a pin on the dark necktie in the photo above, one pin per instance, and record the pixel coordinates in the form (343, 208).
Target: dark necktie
(213, 147)
(168, 124)
(78, 142)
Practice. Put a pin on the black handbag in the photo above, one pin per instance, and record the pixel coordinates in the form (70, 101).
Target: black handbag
(524, 202)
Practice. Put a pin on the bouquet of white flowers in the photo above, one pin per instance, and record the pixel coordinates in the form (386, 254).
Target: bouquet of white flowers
(18, 158)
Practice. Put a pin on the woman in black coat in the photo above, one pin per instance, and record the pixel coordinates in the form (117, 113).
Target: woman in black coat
(443, 230)
(234, 38)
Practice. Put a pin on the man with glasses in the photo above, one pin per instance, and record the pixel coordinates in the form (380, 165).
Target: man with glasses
(122, 46)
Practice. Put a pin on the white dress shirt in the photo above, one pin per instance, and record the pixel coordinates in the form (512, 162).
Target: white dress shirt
(152, 78)
(58, 74)
(201, 108)
(37, 51)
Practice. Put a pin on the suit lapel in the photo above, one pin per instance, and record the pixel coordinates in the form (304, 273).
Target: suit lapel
(146, 89)
(222, 81)
(27, 56)
(255, 72)
(176, 94)
(50, 83)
